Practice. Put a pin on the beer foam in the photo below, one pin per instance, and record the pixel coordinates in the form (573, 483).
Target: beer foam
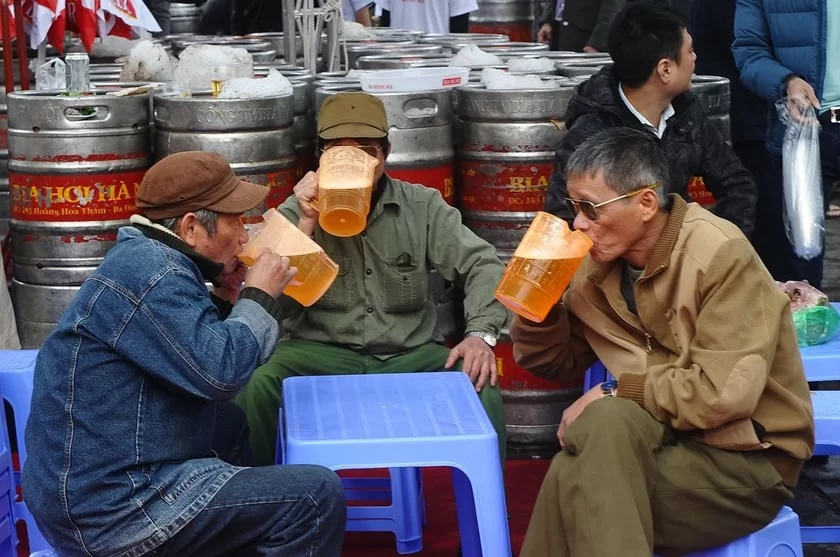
(343, 181)
(280, 236)
(556, 249)
(346, 168)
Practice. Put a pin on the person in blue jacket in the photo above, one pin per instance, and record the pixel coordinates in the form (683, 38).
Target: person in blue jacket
(786, 48)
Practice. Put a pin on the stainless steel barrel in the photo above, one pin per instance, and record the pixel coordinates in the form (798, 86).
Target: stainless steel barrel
(75, 164)
(4, 164)
(254, 135)
(505, 156)
(511, 48)
(533, 406)
(356, 51)
(577, 68)
(183, 18)
(513, 18)
(38, 308)
(398, 61)
(420, 134)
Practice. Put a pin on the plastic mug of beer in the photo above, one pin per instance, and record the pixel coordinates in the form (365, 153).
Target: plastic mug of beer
(345, 183)
(542, 267)
(316, 271)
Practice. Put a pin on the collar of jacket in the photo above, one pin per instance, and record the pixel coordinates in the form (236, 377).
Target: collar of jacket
(661, 254)
(600, 93)
(209, 269)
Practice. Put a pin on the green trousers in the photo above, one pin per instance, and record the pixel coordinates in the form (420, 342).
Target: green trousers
(628, 486)
(261, 398)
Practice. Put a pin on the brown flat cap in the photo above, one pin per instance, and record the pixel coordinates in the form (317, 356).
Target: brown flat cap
(193, 180)
(352, 115)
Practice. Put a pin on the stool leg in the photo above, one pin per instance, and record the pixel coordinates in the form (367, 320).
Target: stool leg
(482, 513)
(406, 508)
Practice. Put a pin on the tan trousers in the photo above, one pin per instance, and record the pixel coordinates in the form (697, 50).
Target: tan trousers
(628, 486)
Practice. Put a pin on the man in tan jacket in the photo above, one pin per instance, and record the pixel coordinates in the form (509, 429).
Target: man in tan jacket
(701, 439)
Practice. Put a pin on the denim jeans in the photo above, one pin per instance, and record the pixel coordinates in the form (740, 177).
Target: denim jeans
(272, 510)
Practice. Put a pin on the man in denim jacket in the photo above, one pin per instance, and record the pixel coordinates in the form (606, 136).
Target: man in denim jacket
(134, 445)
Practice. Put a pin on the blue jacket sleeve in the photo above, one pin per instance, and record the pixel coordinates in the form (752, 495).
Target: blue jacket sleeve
(761, 73)
(175, 334)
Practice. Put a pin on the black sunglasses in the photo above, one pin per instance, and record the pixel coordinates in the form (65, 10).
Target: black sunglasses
(590, 210)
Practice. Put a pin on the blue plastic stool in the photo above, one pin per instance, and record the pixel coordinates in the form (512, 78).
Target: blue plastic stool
(780, 538)
(17, 372)
(405, 516)
(404, 421)
(8, 537)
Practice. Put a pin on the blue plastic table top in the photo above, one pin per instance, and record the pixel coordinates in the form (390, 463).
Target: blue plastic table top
(822, 362)
(383, 406)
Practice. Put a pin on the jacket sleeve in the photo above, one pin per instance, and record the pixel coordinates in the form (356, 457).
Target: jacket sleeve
(548, 12)
(728, 180)
(730, 357)
(584, 128)
(608, 9)
(761, 73)
(465, 259)
(175, 334)
(554, 349)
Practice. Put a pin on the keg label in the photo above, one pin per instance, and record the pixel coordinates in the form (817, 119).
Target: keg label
(241, 115)
(698, 192)
(281, 182)
(518, 32)
(74, 198)
(487, 186)
(439, 177)
(514, 378)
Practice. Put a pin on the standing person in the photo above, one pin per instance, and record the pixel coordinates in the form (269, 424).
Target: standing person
(431, 16)
(160, 11)
(703, 435)
(791, 50)
(135, 447)
(713, 30)
(357, 10)
(648, 88)
(379, 316)
(578, 25)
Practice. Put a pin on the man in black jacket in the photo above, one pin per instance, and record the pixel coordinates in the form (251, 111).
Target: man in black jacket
(577, 25)
(648, 87)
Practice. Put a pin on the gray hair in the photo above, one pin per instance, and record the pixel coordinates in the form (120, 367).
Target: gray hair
(628, 159)
(205, 218)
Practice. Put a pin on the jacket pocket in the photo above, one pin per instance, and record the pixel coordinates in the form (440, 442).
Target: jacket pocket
(337, 297)
(405, 284)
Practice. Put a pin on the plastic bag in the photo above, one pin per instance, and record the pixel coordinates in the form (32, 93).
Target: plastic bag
(51, 76)
(804, 212)
(816, 324)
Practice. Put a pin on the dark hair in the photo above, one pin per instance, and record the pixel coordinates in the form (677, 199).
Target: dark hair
(642, 34)
(628, 160)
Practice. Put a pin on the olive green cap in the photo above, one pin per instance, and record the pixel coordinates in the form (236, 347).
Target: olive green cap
(352, 115)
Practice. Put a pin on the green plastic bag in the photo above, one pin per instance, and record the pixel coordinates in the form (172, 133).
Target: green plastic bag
(815, 324)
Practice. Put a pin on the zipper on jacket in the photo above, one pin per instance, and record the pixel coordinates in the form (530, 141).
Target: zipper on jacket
(648, 347)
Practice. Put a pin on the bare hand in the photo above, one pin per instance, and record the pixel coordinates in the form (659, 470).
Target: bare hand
(270, 273)
(800, 94)
(590, 49)
(571, 413)
(306, 192)
(479, 361)
(230, 284)
(544, 34)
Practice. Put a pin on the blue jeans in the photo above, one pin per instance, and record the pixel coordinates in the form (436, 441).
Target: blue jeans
(271, 510)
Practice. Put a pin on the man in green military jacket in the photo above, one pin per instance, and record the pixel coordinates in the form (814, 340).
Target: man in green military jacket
(379, 315)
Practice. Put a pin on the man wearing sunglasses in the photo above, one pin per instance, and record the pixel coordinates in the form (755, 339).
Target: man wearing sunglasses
(710, 415)
(379, 315)
(648, 88)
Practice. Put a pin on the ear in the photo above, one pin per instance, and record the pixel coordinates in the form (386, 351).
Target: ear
(665, 69)
(649, 203)
(188, 229)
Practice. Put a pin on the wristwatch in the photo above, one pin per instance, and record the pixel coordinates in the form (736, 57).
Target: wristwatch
(486, 337)
(608, 388)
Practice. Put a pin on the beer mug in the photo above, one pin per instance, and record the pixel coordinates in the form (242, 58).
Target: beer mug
(316, 271)
(345, 183)
(542, 267)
